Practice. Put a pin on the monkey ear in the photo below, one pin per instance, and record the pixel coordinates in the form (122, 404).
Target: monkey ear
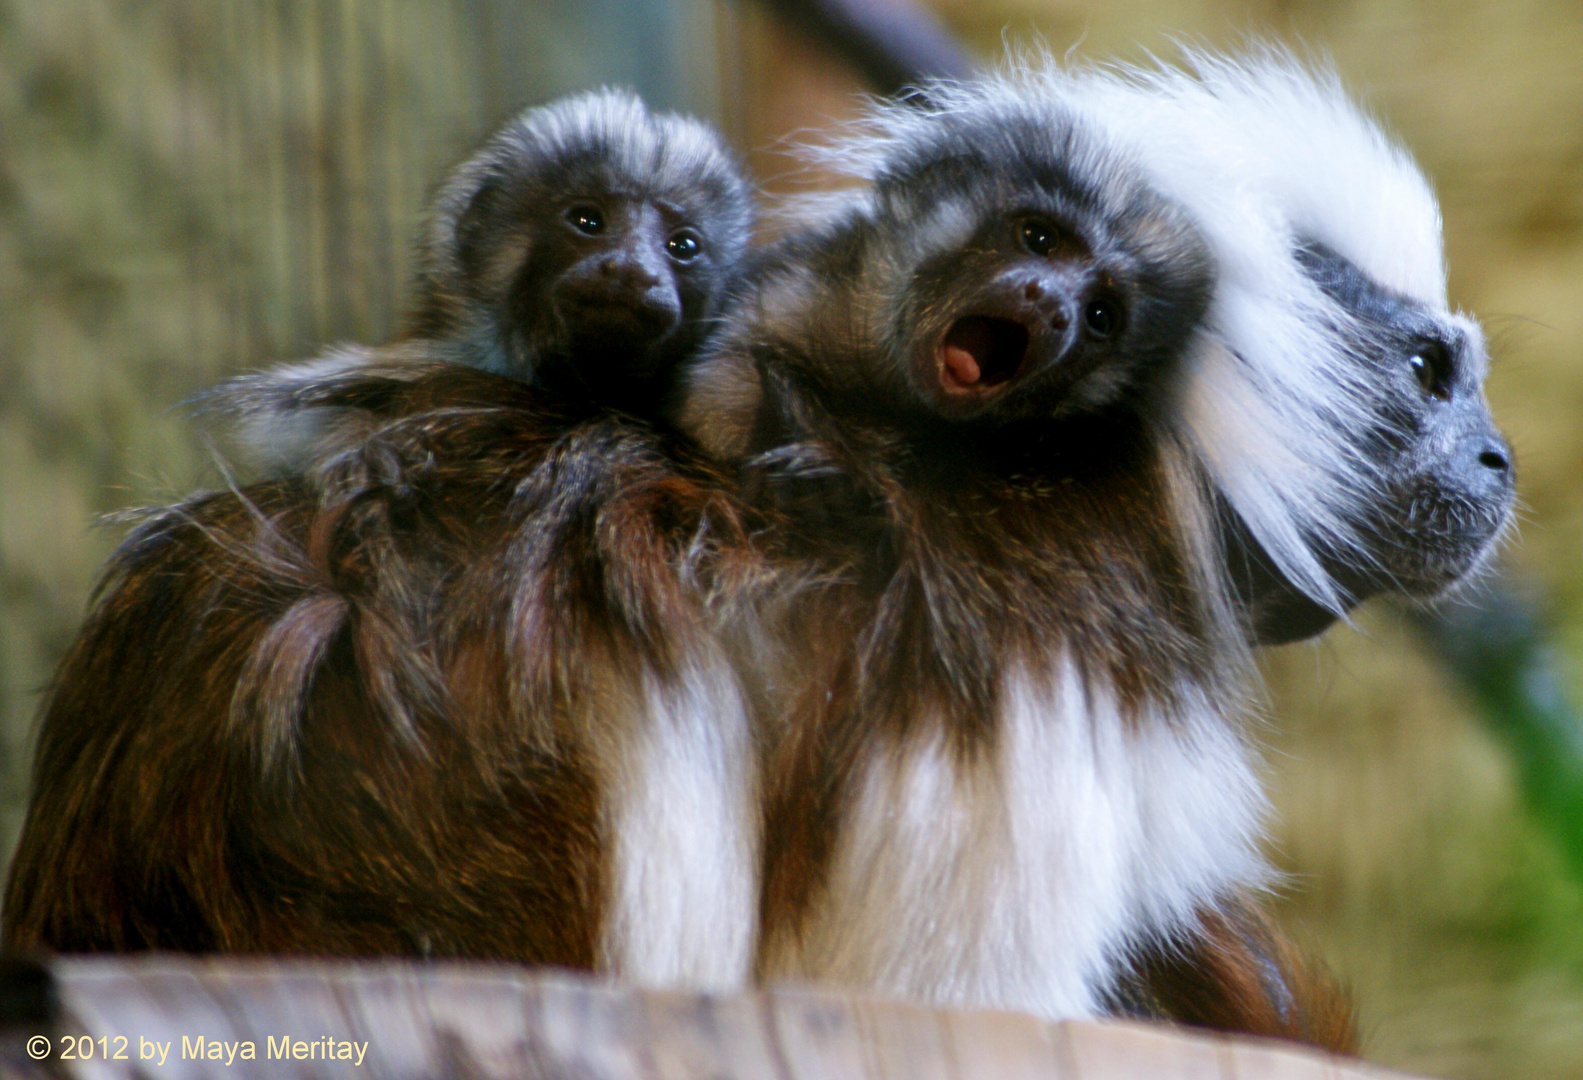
(490, 241)
(472, 237)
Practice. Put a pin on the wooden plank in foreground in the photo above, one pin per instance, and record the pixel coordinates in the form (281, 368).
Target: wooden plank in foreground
(186, 1018)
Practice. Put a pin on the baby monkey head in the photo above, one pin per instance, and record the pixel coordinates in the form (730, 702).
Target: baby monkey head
(585, 246)
(1026, 270)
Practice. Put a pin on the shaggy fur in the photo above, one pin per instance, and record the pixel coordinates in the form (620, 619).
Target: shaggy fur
(455, 692)
(453, 683)
(938, 695)
(1017, 778)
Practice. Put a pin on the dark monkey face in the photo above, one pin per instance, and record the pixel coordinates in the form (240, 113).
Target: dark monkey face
(585, 247)
(613, 286)
(1034, 277)
(1018, 319)
(1005, 270)
(598, 286)
(1444, 471)
(629, 273)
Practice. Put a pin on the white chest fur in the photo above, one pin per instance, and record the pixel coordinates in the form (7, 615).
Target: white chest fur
(1017, 880)
(681, 812)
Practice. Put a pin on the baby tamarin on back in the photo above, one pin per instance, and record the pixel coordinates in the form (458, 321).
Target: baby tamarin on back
(585, 249)
(447, 684)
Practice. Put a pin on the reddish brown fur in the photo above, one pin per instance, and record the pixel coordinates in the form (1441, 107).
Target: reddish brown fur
(339, 715)
(298, 719)
(939, 573)
(942, 581)
(974, 569)
(1243, 975)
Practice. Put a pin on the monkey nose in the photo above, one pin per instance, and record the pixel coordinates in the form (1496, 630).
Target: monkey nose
(1044, 301)
(628, 273)
(1495, 457)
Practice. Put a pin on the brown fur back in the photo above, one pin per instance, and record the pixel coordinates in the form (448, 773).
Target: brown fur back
(336, 715)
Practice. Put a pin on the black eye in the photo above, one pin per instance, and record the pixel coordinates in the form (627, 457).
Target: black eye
(1431, 365)
(684, 245)
(1101, 317)
(586, 220)
(1040, 237)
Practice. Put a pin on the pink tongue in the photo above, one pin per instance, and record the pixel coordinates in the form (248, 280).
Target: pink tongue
(962, 364)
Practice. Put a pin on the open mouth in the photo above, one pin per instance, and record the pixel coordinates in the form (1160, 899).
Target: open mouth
(979, 352)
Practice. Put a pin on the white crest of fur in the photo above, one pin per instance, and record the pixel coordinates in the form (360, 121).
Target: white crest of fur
(1265, 154)
(1268, 153)
(1270, 400)
(1332, 171)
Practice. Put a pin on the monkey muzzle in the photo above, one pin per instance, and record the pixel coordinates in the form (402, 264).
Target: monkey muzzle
(1021, 327)
(618, 314)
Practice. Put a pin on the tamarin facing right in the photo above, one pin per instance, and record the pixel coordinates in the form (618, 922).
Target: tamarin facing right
(1024, 396)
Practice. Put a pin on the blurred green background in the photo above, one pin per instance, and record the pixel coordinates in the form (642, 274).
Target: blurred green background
(189, 188)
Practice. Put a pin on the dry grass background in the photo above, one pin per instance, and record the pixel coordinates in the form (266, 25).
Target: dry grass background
(193, 187)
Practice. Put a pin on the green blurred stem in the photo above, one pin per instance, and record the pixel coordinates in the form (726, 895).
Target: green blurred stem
(1498, 648)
